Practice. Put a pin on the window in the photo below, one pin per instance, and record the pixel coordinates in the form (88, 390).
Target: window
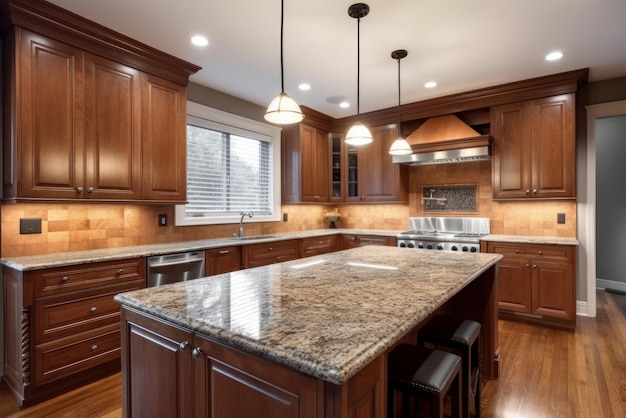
(233, 164)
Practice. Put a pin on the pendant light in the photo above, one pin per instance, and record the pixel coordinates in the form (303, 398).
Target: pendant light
(358, 134)
(399, 146)
(283, 110)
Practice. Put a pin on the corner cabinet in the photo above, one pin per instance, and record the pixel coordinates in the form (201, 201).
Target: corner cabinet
(82, 121)
(305, 159)
(371, 175)
(534, 150)
(537, 281)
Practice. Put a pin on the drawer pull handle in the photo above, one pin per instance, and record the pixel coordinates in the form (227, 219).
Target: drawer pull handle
(534, 266)
(516, 251)
(196, 352)
(184, 345)
(224, 252)
(540, 252)
(527, 265)
(94, 347)
(93, 309)
(120, 271)
(269, 249)
(65, 278)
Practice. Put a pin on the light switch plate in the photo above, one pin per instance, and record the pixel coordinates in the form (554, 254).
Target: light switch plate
(163, 219)
(30, 225)
(560, 218)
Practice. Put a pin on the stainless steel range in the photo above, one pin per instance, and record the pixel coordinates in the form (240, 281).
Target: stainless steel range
(446, 234)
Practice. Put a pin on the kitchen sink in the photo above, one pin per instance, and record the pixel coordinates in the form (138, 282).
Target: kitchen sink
(251, 237)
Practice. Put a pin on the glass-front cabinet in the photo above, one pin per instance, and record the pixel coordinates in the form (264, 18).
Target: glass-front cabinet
(336, 165)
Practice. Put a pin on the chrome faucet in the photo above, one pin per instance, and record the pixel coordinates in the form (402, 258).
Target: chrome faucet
(244, 214)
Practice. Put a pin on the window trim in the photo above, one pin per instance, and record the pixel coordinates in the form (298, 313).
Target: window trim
(220, 120)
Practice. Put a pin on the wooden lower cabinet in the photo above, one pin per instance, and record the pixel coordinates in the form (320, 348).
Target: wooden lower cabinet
(170, 372)
(262, 254)
(537, 281)
(318, 245)
(223, 260)
(62, 325)
(348, 241)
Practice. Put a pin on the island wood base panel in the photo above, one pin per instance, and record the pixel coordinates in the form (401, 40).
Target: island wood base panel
(168, 371)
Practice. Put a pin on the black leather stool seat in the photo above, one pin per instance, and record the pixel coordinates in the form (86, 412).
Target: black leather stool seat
(422, 372)
(460, 336)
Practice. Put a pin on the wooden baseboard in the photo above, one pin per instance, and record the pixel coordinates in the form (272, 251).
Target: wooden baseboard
(539, 320)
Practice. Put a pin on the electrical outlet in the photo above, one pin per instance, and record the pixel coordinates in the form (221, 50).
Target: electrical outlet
(30, 225)
(163, 219)
(285, 217)
(560, 218)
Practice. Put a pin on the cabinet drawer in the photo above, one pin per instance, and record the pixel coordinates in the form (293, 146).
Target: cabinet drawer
(317, 245)
(271, 252)
(516, 251)
(63, 357)
(223, 260)
(86, 276)
(63, 315)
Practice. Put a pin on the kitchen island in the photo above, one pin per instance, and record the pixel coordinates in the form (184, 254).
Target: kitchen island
(306, 338)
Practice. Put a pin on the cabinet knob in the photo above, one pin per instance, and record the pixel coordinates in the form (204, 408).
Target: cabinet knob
(79, 189)
(90, 190)
(534, 266)
(527, 191)
(527, 265)
(120, 271)
(269, 249)
(540, 252)
(224, 252)
(65, 278)
(516, 251)
(94, 347)
(534, 191)
(93, 309)
(317, 197)
(184, 345)
(196, 352)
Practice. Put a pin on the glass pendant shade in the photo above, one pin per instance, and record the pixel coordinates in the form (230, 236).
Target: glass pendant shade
(283, 110)
(358, 135)
(400, 147)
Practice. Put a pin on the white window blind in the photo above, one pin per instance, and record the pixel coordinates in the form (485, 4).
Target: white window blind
(232, 166)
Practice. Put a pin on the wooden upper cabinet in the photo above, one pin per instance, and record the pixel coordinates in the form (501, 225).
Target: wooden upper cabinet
(534, 149)
(164, 140)
(112, 130)
(48, 119)
(305, 164)
(379, 179)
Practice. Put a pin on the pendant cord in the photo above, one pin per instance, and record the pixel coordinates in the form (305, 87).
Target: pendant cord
(399, 97)
(358, 68)
(282, 17)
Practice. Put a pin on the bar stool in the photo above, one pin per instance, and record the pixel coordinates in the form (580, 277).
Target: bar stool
(460, 336)
(423, 373)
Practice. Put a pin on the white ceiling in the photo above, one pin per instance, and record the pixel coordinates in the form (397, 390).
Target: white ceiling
(461, 44)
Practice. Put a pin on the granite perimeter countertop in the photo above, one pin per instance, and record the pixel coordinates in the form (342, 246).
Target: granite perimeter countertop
(531, 239)
(36, 262)
(327, 316)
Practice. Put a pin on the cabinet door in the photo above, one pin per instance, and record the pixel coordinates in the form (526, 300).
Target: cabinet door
(224, 377)
(157, 368)
(510, 126)
(112, 130)
(314, 158)
(553, 142)
(223, 260)
(553, 287)
(164, 140)
(380, 178)
(514, 285)
(50, 117)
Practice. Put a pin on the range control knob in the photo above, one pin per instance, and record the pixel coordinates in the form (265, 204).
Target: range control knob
(473, 249)
(411, 245)
(402, 245)
(465, 248)
(420, 245)
(454, 248)
(429, 246)
(440, 247)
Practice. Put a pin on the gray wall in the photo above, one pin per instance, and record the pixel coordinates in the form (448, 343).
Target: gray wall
(610, 143)
(222, 101)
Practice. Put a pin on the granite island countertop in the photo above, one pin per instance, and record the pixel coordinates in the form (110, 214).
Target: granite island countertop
(327, 316)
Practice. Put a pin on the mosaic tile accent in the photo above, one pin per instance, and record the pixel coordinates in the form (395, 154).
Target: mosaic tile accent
(449, 198)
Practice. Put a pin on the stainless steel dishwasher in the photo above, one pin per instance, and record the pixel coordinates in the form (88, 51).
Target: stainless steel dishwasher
(171, 268)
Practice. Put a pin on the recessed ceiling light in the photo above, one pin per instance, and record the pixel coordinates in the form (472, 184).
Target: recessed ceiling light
(430, 84)
(553, 56)
(199, 40)
(304, 86)
(344, 105)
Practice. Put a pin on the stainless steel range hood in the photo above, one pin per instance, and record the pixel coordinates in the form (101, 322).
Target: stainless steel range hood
(445, 140)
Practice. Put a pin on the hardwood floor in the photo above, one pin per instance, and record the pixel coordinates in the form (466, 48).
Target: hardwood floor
(544, 372)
